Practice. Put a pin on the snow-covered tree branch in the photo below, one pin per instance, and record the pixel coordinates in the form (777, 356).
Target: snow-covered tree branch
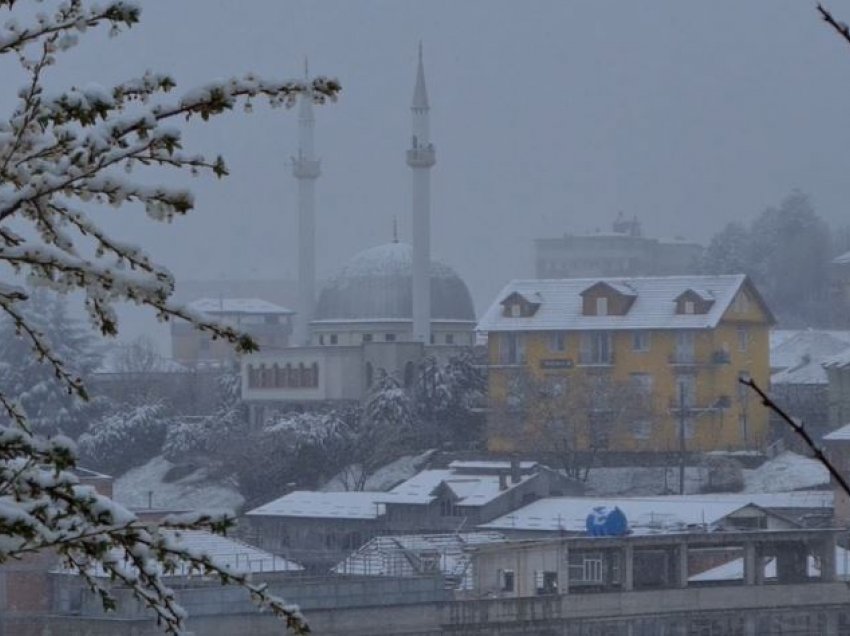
(63, 154)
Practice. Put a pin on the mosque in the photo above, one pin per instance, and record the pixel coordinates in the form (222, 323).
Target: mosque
(385, 309)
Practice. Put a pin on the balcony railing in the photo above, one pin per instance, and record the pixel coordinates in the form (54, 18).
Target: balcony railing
(689, 358)
(595, 359)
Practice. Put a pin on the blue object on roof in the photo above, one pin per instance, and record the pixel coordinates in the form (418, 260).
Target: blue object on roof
(607, 522)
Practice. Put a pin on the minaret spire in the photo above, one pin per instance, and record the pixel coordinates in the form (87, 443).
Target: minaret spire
(421, 158)
(306, 169)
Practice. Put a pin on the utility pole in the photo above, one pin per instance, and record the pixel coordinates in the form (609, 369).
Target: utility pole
(682, 448)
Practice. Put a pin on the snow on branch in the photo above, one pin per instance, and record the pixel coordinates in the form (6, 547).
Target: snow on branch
(841, 27)
(64, 153)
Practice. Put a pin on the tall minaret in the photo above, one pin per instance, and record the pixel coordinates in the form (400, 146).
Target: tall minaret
(421, 157)
(305, 168)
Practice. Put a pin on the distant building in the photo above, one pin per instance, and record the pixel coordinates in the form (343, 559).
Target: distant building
(386, 309)
(839, 291)
(269, 324)
(624, 251)
(675, 345)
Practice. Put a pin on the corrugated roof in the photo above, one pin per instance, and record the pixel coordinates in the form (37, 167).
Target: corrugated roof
(470, 489)
(653, 308)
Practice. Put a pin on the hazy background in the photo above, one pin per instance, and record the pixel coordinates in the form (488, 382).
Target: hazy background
(548, 117)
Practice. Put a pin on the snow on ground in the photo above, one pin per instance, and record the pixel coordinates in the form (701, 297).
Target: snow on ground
(385, 477)
(786, 472)
(192, 492)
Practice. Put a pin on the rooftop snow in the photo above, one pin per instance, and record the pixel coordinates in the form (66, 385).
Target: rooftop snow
(790, 349)
(471, 490)
(489, 465)
(841, 434)
(333, 505)
(808, 372)
(653, 308)
(229, 553)
(734, 569)
(647, 515)
(237, 306)
(786, 472)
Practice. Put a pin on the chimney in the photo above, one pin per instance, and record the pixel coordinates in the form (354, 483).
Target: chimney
(503, 481)
(515, 473)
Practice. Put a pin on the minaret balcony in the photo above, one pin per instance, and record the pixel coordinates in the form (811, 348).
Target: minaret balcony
(305, 168)
(421, 157)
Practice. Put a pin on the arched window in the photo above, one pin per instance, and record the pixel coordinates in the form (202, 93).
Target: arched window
(264, 376)
(315, 374)
(252, 377)
(278, 376)
(288, 375)
(370, 372)
(408, 374)
(296, 376)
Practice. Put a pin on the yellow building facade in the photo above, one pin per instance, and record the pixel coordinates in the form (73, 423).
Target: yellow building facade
(642, 364)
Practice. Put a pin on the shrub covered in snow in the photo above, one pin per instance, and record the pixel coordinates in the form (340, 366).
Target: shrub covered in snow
(125, 439)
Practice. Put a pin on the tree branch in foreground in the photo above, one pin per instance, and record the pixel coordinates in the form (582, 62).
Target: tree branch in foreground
(798, 428)
(841, 27)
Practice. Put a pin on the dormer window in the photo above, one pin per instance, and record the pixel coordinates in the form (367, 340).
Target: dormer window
(518, 306)
(607, 298)
(694, 301)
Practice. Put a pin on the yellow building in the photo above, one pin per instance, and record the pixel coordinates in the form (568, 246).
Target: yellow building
(627, 364)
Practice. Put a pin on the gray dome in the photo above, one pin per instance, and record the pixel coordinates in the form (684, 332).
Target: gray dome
(377, 285)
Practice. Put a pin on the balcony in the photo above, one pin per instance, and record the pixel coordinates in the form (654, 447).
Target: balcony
(690, 359)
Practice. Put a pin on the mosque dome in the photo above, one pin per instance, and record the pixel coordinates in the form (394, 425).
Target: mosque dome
(377, 285)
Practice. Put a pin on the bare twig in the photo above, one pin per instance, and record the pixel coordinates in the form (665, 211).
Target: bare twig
(841, 27)
(798, 428)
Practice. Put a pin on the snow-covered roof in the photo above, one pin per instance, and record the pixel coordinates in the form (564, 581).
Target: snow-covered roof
(734, 569)
(789, 349)
(842, 259)
(841, 434)
(807, 372)
(331, 505)
(786, 472)
(654, 306)
(229, 553)
(237, 306)
(470, 489)
(837, 361)
(418, 554)
(647, 515)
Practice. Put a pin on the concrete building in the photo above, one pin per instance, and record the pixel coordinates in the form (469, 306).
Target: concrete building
(639, 364)
(622, 252)
(270, 325)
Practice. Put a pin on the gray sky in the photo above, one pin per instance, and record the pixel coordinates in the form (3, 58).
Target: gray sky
(547, 116)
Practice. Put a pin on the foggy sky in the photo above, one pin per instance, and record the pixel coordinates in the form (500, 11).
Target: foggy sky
(548, 117)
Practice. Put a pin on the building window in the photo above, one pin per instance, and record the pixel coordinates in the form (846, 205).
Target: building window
(642, 429)
(689, 306)
(602, 306)
(409, 374)
(516, 310)
(686, 388)
(432, 340)
(447, 508)
(684, 347)
(512, 349)
(558, 341)
(546, 582)
(642, 383)
(367, 337)
(450, 338)
(389, 337)
(641, 340)
(743, 338)
(334, 339)
(321, 338)
(370, 373)
(596, 348)
(506, 580)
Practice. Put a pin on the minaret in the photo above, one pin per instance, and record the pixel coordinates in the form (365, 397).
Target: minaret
(421, 157)
(305, 168)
